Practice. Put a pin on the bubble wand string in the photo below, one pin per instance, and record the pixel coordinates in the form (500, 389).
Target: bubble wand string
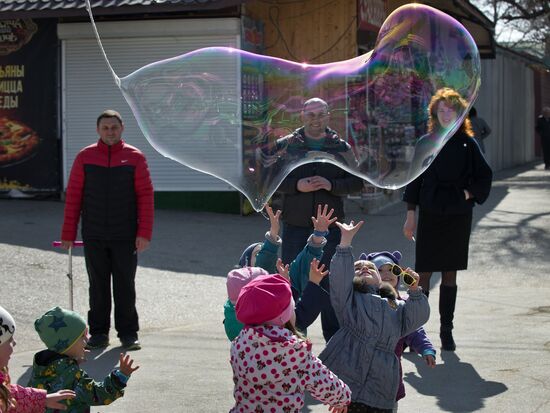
(96, 33)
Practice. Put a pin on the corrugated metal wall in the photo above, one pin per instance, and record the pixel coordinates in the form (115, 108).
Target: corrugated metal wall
(88, 87)
(506, 101)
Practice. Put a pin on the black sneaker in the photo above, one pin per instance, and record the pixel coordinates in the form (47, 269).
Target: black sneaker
(98, 341)
(130, 343)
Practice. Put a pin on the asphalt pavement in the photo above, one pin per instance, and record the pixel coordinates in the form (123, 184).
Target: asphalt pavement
(502, 321)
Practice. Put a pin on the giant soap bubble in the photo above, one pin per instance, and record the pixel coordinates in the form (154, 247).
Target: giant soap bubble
(200, 106)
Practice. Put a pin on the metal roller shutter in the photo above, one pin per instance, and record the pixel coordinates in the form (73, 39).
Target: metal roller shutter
(88, 87)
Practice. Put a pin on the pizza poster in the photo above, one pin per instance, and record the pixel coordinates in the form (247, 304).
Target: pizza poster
(29, 151)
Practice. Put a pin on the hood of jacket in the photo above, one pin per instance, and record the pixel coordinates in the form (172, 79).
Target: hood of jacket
(48, 364)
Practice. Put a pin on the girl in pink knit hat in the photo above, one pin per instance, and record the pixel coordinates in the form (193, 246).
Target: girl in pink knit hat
(272, 365)
(15, 398)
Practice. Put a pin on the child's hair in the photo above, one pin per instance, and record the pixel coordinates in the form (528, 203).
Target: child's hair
(360, 284)
(7, 401)
(295, 331)
(387, 290)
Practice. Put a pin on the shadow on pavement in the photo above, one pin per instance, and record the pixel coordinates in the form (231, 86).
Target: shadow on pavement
(183, 241)
(211, 243)
(98, 365)
(457, 385)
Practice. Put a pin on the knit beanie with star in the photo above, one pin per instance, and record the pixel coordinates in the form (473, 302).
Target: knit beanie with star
(59, 329)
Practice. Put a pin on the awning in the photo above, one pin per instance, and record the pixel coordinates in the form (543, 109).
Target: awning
(10, 9)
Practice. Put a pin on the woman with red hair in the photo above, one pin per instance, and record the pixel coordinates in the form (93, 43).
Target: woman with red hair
(445, 193)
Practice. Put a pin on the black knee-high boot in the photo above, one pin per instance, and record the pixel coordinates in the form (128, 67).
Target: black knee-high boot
(447, 301)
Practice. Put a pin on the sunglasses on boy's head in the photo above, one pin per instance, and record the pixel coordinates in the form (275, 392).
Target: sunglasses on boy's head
(407, 278)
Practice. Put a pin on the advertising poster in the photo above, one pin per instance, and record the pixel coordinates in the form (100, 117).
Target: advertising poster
(29, 152)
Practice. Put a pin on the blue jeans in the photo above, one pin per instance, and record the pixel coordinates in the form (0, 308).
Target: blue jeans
(294, 241)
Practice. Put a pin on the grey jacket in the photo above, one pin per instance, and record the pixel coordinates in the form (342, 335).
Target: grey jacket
(362, 353)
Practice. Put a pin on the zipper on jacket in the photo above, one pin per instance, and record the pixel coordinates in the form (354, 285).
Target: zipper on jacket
(313, 197)
(107, 187)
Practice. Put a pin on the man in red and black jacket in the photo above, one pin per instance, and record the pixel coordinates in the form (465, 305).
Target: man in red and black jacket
(110, 187)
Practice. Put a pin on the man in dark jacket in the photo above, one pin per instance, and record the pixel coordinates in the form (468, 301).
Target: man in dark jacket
(312, 184)
(110, 187)
(543, 129)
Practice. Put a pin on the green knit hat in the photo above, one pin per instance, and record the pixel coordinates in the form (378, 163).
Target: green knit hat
(59, 328)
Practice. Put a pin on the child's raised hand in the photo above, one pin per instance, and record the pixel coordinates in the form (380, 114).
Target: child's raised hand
(275, 225)
(416, 277)
(53, 400)
(283, 270)
(316, 271)
(430, 360)
(348, 232)
(338, 409)
(324, 218)
(126, 365)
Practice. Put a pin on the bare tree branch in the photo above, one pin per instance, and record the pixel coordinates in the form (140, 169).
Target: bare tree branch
(527, 10)
(518, 21)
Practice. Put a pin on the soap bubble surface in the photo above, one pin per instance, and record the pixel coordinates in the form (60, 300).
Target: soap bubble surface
(198, 107)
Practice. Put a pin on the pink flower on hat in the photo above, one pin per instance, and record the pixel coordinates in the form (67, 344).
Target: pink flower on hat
(265, 300)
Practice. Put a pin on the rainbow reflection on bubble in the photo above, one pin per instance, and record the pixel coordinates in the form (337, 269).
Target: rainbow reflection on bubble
(196, 107)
